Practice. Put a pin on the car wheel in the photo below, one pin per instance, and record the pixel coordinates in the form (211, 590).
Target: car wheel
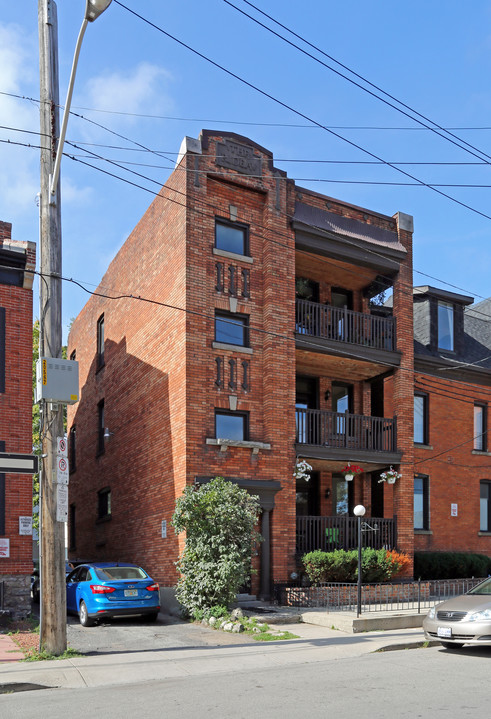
(83, 614)
(451, 645)
(152, 617)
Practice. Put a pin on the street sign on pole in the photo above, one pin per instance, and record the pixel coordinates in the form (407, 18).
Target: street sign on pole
(61, 447)
(62, 503)
(18, 463)
(61, 470)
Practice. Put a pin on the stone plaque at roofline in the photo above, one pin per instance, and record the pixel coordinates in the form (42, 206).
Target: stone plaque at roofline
(237, 157)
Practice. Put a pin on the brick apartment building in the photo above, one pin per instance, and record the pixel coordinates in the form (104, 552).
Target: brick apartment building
(242, 330)
(452, 388)
(15, 416)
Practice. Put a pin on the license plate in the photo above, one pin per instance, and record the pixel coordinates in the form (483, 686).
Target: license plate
(445, 632)
(131, 592)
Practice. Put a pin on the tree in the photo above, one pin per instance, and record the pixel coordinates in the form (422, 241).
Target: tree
(36, 420)
(220, 520)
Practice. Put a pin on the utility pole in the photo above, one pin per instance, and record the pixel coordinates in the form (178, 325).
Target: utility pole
(53, 587)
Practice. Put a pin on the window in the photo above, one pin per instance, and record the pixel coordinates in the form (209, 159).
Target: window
(231, 425)
(421, 419)
(2, 496)
(445, 326)
(485, 506)
(72, 447)
(232, 329)
(72, 527)
(100, 427)
(231, 237)
(2, 349)
(104, 503)
(421, 502)
(100, 342)
(480, 427)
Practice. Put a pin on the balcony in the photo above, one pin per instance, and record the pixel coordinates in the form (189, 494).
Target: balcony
(341, 532)
(342, 436)
(338, 328)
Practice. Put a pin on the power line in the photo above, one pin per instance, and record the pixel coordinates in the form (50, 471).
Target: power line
(434, 129)
(297, 112)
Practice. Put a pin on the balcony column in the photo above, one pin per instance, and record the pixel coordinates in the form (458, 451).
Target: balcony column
(265, 581)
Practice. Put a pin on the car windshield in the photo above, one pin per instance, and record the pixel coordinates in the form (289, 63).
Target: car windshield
(483, 588)
(121, 573)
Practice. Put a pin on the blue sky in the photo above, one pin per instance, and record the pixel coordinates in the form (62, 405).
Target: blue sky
(433, 56)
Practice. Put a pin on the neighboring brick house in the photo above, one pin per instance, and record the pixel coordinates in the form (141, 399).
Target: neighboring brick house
(15, 415)
(243, 336)
(452, 395)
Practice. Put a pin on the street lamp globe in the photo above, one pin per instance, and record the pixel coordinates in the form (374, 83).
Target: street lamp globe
(359, 510)
(94, 8)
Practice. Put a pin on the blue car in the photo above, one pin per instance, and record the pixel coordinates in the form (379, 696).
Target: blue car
(111, 589)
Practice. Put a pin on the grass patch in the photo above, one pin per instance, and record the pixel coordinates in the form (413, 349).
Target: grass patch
(36, 656)
(268, 637)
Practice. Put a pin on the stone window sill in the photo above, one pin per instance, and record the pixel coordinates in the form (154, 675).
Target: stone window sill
(233, 256)
(234, 348)
(106, 518)
(423, 531)
(422, 446)
(484, 534)
(224, 444)
(481, 453)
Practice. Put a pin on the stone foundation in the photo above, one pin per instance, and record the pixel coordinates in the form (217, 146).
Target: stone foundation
(16, 595)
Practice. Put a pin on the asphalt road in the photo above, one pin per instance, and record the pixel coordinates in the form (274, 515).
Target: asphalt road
(421, 683)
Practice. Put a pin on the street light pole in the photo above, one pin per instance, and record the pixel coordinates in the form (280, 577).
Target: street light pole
(359, 512)
(52, 532)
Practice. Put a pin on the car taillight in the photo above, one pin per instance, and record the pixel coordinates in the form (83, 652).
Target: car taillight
(101, 589)
(153, 587)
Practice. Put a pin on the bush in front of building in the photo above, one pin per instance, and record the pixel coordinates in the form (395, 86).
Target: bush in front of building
(220, 520)
(451, 565)
(378, 565)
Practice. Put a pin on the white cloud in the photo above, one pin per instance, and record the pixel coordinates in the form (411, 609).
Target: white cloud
(141, 90)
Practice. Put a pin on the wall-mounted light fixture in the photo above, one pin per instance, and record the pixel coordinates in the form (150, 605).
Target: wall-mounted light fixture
(327, 493)
(327, 394)
(108, 434)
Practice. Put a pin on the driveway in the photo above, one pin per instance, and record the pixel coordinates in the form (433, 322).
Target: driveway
(137, 635)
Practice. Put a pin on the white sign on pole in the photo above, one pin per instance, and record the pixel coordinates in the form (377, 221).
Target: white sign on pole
(62, 470)
(164, 529)
(61, 447)
(62, 503)
(25, 525)
(4, 548)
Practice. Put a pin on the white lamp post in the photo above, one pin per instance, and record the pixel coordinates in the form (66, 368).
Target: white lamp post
(359, 511)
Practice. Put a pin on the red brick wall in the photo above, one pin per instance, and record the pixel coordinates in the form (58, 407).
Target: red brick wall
(16, 414)
(454, 471)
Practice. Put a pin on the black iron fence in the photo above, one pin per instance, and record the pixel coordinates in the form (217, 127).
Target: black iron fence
(342, 430)
(337, 323)
(341, 532)
(417, 596)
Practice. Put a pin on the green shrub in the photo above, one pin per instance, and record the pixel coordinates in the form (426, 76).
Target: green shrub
(451, 565)
(378, 565)
(219, 519)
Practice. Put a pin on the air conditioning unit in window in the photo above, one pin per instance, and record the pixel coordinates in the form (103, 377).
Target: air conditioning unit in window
(56, 380)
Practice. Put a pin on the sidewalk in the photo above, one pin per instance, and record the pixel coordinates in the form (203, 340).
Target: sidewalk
(9, 651)
(315, 644)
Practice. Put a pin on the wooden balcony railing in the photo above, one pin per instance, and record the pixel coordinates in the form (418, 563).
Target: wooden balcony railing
(336, 323)
(341, 532)
(342, 430)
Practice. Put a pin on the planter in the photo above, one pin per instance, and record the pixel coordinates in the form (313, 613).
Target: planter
(391, 480)
(348, 477)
